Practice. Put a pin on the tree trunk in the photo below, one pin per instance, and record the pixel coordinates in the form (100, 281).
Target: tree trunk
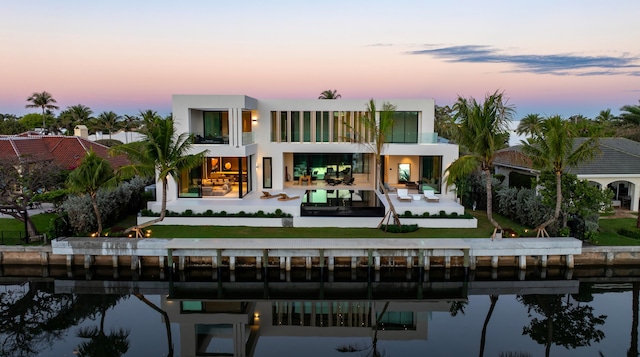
(542, 229)
(31, 227)
(396, 219)
(494, 300)
(490, 200)
(163, 212)
(392, 208)
(165, 317)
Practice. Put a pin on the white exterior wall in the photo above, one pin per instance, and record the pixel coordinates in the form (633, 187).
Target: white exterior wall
(186, 107)
(634, 189)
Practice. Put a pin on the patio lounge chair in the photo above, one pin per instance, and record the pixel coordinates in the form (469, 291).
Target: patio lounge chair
(389, 188)
(430, 196)
(285, 197)
(403, 195)
(266, 194)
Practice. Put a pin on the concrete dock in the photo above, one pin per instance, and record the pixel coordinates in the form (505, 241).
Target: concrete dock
(286, 254)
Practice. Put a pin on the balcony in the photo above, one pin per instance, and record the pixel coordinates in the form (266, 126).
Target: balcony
(210, 139)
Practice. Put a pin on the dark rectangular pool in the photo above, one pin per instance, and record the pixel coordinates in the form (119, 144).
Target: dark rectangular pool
(341, 203)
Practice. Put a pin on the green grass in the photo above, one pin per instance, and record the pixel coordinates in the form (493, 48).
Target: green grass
(40, 220)
(484, 230)
(608, 232)
(607, 236)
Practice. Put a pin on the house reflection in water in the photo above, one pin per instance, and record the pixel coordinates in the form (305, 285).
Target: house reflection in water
(232, 328)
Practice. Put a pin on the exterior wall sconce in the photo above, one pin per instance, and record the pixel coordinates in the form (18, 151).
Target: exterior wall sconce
(254, 119)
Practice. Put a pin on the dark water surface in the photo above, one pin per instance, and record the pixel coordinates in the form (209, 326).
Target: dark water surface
(205, 312)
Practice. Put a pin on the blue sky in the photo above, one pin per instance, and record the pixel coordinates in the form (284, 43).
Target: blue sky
(550, 57)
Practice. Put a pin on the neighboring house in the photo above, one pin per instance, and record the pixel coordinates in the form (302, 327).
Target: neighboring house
(616, 167)
(68, 151)
(275, 144)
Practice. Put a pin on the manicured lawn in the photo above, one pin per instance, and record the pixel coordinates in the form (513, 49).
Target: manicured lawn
(608, 230)
(40, 220)
(484, 230)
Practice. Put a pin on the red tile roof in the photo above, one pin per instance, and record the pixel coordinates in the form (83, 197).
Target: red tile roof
(68, 151)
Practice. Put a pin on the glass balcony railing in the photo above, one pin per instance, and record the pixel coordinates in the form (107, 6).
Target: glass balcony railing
(247, 138)
(428, 138)
(200, 138)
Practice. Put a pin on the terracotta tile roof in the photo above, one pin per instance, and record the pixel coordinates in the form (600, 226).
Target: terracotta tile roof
(68, 151)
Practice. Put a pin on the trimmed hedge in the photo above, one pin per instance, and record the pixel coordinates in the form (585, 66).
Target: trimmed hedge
(209, 213)
(405, 228)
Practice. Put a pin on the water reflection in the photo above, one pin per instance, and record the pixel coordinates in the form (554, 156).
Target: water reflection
(346, 313)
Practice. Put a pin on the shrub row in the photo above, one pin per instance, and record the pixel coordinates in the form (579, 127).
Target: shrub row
(209, 213)
(405, 228)
(441, 214)
(635, 234)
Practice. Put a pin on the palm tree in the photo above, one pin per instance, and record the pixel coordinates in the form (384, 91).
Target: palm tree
(605, 116)
(74, 115)
(529, 125)
(116, 343)
(329, 94)
(632, 115)
(555, 149)
(483, 338)
(109, 121)
(93, 173)
(482, 130)
(129, 123)
(372, 133)
(162, 153)
(165, 318)
(42, 100)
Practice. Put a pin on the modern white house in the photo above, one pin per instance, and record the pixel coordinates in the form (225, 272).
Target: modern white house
(304, 148)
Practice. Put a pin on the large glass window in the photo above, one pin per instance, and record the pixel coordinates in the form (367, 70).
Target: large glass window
(216, 127)
(267, 172)
(322, 166)
(283, 127)
(306, 126)
(322, 127)
(274, 127)
(218, 176)
(405, 128)
(295, 127)
(432, 172)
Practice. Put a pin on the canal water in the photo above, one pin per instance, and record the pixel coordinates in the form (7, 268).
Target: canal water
(205, 312)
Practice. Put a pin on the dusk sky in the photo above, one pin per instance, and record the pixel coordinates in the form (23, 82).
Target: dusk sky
(550, 57)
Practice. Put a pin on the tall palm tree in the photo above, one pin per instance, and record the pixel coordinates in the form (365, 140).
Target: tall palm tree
(162, 153)
(42, 100)
(555, 149)
(109, 121)
(329, 94)
(482, 129)
(483, 335)
(371, 131)
(529, 125)
(129, 123)
(93, 173)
